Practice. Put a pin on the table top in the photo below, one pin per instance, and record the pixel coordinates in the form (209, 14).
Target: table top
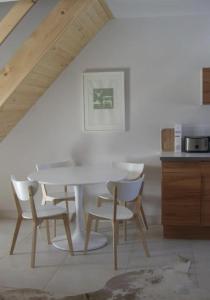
(77, 175)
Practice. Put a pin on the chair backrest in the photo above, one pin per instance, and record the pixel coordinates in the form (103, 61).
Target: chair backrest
(126, 190)
(21, 188)
(135, 170)
(58, 164)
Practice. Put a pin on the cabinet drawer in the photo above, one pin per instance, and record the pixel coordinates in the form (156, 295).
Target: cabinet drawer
(181, 194)
(177, 214)
(181, 168)
(176, 184)
(205, 168)
(205, 213)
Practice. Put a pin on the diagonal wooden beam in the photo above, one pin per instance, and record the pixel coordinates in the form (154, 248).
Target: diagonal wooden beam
(45, 54)
(14, 16)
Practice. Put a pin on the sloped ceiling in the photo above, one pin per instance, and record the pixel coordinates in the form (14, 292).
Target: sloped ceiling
(150, 8)
(45, 54)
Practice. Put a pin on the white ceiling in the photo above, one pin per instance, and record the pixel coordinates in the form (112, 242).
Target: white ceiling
(149, 8)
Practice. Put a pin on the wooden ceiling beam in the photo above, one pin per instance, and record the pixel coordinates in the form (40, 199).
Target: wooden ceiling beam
(14, 16)
(45, 54)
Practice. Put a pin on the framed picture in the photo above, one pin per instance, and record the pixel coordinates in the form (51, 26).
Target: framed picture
(104, 101)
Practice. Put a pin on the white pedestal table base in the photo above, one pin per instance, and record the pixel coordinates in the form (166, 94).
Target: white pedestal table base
(78, 237)
(96, 241)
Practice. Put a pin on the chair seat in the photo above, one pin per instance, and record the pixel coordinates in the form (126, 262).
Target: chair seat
(71, 206)
(108, 197)
(47, 211)
(105, 196)
(59, 195)
(106, 212)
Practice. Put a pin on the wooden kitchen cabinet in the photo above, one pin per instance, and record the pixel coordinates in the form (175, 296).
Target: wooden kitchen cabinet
(205, 191)
(186, 199)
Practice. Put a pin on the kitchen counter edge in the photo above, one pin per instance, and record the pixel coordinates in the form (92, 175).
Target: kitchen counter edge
(183, 156)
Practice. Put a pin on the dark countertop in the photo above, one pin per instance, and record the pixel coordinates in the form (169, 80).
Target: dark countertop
(183, 156)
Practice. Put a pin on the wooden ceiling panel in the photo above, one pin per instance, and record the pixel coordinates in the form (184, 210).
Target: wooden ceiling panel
(46, 53)
(14, 16)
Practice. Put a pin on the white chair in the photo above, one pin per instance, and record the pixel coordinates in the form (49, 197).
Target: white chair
(57, 197)
(25, 191)
(134, 171)
(125, 191)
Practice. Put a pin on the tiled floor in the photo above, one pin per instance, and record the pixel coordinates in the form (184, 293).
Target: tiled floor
(59, 273)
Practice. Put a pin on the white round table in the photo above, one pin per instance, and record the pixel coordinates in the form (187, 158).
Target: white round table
(78, 176)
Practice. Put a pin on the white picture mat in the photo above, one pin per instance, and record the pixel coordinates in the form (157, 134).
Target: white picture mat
(104, 119)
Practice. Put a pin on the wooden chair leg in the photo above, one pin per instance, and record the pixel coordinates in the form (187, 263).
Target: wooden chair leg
(98, 204)
(125, 227)
(68, 233)
(88, 230)
(48, 232)
(117, 227)
(144, 242)
(96, 225)
(115, 234)
(144, 217)
(67, 209)
(15, 235)
(73, 217)
(33, 250)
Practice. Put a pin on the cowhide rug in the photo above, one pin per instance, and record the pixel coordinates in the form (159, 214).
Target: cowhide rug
(166, 283)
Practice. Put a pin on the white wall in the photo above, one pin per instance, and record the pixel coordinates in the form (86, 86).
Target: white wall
(162, 57)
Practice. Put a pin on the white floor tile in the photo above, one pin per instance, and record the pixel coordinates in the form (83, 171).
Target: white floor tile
(61, 274)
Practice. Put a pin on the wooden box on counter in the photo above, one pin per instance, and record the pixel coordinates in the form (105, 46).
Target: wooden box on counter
(186, 199)
(206, 86)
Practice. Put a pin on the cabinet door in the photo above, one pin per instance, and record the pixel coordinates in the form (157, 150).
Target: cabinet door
(181, 192)
(205, 199)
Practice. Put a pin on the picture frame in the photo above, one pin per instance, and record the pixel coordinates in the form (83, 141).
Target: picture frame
(104, 101)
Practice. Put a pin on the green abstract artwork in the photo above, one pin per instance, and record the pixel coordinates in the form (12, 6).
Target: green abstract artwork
(103, 98)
